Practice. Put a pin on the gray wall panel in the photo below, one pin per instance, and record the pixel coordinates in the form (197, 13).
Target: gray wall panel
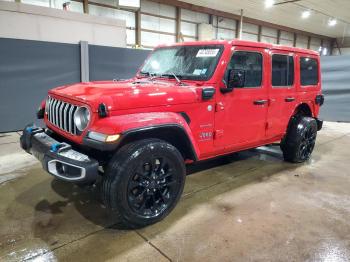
(107, 63)
(336, 88)
(28, 69)
(335, 72)
(336, 107)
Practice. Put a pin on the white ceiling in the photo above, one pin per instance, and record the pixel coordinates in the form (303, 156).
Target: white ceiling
(289, 14)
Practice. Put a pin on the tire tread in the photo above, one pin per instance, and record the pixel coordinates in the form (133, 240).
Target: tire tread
(113, 176)
(290, 143)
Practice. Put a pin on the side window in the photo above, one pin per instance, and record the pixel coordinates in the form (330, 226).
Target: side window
(308, 71)
(282, 70)
(249, 64)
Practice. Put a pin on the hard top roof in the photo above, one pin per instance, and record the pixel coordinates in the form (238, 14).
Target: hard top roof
(237, 42)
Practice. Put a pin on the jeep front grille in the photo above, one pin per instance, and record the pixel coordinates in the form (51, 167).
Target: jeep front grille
(61, 115)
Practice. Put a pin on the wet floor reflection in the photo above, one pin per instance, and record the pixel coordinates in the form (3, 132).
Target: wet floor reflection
(44, 214)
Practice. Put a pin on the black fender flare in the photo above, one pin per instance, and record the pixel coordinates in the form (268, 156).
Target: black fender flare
(174, 134)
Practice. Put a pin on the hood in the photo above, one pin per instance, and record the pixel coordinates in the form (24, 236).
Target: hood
(133, 93)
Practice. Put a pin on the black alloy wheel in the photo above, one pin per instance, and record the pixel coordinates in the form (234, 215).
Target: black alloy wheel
(299, 142)
(307, 144)
(152, 187)
(143, 182)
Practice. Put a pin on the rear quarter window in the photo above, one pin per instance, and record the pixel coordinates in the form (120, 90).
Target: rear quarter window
(308, 71)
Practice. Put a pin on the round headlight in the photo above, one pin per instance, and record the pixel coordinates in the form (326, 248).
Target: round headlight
(82, 118)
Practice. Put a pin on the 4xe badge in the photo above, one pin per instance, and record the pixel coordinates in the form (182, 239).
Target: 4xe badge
(204, 136)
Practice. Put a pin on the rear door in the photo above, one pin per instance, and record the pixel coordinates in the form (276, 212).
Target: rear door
(282, 92)
(240, 117)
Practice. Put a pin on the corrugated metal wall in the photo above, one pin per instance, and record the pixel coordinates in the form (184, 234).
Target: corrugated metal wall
(158, 24)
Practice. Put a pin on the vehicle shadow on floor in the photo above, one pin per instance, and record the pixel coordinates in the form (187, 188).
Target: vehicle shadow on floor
(271, 153)
(72, 211)
(88, 203)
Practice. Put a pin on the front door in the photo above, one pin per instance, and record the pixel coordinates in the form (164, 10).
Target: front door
(240, 118)
(282, 92)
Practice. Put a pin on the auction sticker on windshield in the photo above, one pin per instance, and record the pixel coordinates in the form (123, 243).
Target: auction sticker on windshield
(207, 52)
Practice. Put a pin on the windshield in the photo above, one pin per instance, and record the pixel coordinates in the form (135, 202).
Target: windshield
(183, 62)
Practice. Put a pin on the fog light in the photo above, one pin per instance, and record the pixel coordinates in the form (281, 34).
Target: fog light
(61, 168)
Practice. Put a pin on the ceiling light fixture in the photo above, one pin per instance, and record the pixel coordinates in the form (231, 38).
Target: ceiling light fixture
(305, 14)
(332, 22)
(269, 3)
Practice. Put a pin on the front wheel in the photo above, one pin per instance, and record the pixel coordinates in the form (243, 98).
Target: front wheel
(144, 181)
(299, 142)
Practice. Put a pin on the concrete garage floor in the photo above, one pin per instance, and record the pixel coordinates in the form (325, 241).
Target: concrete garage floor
(249, 206)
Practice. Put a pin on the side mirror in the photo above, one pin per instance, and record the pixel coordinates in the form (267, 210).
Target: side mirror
(236, 78)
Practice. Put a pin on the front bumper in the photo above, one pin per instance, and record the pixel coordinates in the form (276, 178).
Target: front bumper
(59, 159)
(319, 124)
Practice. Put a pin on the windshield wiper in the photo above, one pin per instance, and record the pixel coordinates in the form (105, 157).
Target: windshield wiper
(168, 75)
(148, 74)
(171, 74)
(145, 73)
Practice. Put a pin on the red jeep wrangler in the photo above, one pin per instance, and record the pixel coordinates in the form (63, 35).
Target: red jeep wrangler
(189, 102)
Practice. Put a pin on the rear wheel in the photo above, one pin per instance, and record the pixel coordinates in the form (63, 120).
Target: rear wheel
(144, 181)
(300, 139)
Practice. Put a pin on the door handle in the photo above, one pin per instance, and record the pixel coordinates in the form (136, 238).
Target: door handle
(289, 99)
(260, 102)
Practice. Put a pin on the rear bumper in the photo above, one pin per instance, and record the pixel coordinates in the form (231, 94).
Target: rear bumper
(59, 159)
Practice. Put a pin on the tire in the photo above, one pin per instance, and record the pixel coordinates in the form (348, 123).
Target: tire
(143, 182)
(299, 142)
